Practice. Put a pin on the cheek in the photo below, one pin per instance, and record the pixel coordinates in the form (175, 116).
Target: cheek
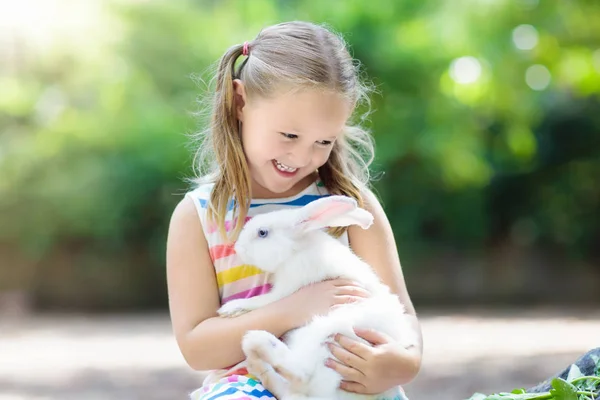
(322, 156)
(263, 151)
(255, 144)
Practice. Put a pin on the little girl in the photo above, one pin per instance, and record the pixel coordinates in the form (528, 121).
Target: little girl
(280, 136)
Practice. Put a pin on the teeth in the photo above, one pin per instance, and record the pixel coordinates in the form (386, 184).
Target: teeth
(284, 168)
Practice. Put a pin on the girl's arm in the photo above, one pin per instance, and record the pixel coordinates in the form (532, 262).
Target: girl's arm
(207, 341)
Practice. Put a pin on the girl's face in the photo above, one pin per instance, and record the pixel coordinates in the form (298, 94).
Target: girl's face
(286, 138)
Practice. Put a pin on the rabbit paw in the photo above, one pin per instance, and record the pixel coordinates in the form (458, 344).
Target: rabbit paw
(265, 346)
(269, 378)
(232, 309)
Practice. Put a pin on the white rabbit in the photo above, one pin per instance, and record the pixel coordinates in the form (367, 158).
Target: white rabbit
(293, 245)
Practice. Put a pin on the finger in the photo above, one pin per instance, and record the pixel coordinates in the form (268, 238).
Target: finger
(347, 358)
(355, 387)
(347, 373)
(361, 350)
(340, 300)
(353, 290)
(372, 336)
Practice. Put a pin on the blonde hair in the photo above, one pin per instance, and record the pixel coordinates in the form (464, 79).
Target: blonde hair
(287, 55)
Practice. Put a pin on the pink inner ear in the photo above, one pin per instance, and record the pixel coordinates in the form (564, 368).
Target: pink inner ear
(341, 207)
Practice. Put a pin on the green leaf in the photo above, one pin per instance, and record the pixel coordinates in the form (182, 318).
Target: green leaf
(563, 390)
(519, 391)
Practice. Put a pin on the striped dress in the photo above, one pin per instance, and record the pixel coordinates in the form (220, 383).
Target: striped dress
(237, 280)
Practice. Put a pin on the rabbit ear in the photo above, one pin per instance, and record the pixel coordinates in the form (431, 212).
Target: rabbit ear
(333, 211)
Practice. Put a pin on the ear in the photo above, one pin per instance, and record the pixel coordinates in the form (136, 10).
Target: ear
(239, 97)
(333, 211)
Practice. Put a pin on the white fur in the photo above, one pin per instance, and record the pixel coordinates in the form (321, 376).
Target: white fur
(299, 252)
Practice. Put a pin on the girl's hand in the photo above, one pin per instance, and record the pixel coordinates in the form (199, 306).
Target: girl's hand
(319, 298)
(374, 368)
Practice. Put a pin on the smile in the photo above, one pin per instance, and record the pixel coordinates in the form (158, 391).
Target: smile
(283, 167)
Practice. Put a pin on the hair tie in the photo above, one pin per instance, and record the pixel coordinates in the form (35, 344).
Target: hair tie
(245, 49)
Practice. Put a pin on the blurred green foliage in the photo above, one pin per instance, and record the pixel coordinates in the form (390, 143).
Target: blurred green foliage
(486, 122)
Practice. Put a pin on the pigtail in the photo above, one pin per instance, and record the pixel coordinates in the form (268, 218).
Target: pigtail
(234, 176)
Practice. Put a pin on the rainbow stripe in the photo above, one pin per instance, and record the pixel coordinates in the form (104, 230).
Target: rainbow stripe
(233, 387)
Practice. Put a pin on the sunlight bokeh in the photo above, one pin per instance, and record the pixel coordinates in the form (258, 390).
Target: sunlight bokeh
(45, 28)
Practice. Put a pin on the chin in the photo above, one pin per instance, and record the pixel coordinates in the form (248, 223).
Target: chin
(272, 185)
(282, 189)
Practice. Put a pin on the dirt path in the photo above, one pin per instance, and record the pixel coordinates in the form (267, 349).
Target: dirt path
(135, 356)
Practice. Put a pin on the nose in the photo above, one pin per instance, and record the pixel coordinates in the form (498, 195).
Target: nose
(301, 157)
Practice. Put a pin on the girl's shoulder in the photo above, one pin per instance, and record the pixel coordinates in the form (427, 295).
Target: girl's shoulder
(201, 194)
(200, 197)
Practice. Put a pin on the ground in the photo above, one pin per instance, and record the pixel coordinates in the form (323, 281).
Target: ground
(118, 357)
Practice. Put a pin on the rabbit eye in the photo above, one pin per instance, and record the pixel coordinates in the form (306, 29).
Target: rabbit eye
(263, 232)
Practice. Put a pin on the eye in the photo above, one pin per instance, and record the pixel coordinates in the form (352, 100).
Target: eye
(325, 143)
(289, 135)
(263, 232)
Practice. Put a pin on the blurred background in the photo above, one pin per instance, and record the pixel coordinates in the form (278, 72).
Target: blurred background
(487, 124)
